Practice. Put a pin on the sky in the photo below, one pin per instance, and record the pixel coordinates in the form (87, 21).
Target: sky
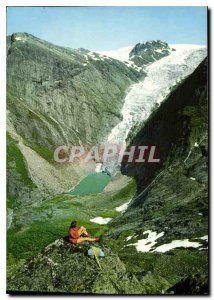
(109, 28)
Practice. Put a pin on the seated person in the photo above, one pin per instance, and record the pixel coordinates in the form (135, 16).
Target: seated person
(79, 235)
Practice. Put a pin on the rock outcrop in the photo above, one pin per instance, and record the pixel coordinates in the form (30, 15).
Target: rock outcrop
(145, 53)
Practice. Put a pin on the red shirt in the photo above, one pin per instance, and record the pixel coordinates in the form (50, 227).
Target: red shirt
(73, 235)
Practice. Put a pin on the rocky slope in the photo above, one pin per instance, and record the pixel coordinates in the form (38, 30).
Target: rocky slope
(145, 53)
(48, 81)
(59, 268)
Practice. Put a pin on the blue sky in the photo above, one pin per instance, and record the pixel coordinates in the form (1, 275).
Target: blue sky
(106, 28)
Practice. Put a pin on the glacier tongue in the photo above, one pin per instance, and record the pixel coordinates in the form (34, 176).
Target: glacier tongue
(161, 76)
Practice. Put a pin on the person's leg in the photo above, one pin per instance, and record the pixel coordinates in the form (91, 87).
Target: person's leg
(82, 230)
(83, 239)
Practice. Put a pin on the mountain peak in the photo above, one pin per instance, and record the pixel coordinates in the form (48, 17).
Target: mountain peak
(20, 36)
(144, 53)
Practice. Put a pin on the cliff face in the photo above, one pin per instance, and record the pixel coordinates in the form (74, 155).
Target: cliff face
(63, 95)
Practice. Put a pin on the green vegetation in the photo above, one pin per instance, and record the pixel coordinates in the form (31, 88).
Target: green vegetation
(27, 241)
(172, 265)
(50, 220)
(43, 151)
(15, 157)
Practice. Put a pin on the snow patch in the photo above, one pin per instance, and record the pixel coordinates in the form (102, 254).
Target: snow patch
(205, 238)
(98, 167)
(129, 237)
(121, 54)
(95, 56)
(123, 207)
(101, 220)
(145, 245)
(131, 64)
(9, 217)
(18, 38)
(177, 244)
(159, 50)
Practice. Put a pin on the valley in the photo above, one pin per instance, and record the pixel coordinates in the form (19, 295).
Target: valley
(153, 218)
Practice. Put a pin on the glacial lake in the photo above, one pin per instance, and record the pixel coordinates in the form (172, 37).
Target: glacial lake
(91, 184)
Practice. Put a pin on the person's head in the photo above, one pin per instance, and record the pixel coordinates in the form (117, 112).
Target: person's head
(73, 224)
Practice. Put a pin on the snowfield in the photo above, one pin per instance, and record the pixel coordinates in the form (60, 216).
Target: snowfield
(177, 244)
(119, 54)
(122, 208)
(145, 245)
(100, 220)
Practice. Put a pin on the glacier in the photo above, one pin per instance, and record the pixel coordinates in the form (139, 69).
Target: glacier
(142, 97)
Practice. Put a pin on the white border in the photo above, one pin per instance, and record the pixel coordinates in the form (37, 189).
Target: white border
(3, 5)
(106, 3)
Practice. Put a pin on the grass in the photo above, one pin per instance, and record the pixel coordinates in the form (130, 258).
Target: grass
(15, 156)
(25, 243)
(44, 152)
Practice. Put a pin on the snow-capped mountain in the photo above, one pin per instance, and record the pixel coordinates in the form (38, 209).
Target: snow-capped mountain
(161, 76)
(141, 53)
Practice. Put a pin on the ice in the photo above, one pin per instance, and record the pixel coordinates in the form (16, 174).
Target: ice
(162, 75)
